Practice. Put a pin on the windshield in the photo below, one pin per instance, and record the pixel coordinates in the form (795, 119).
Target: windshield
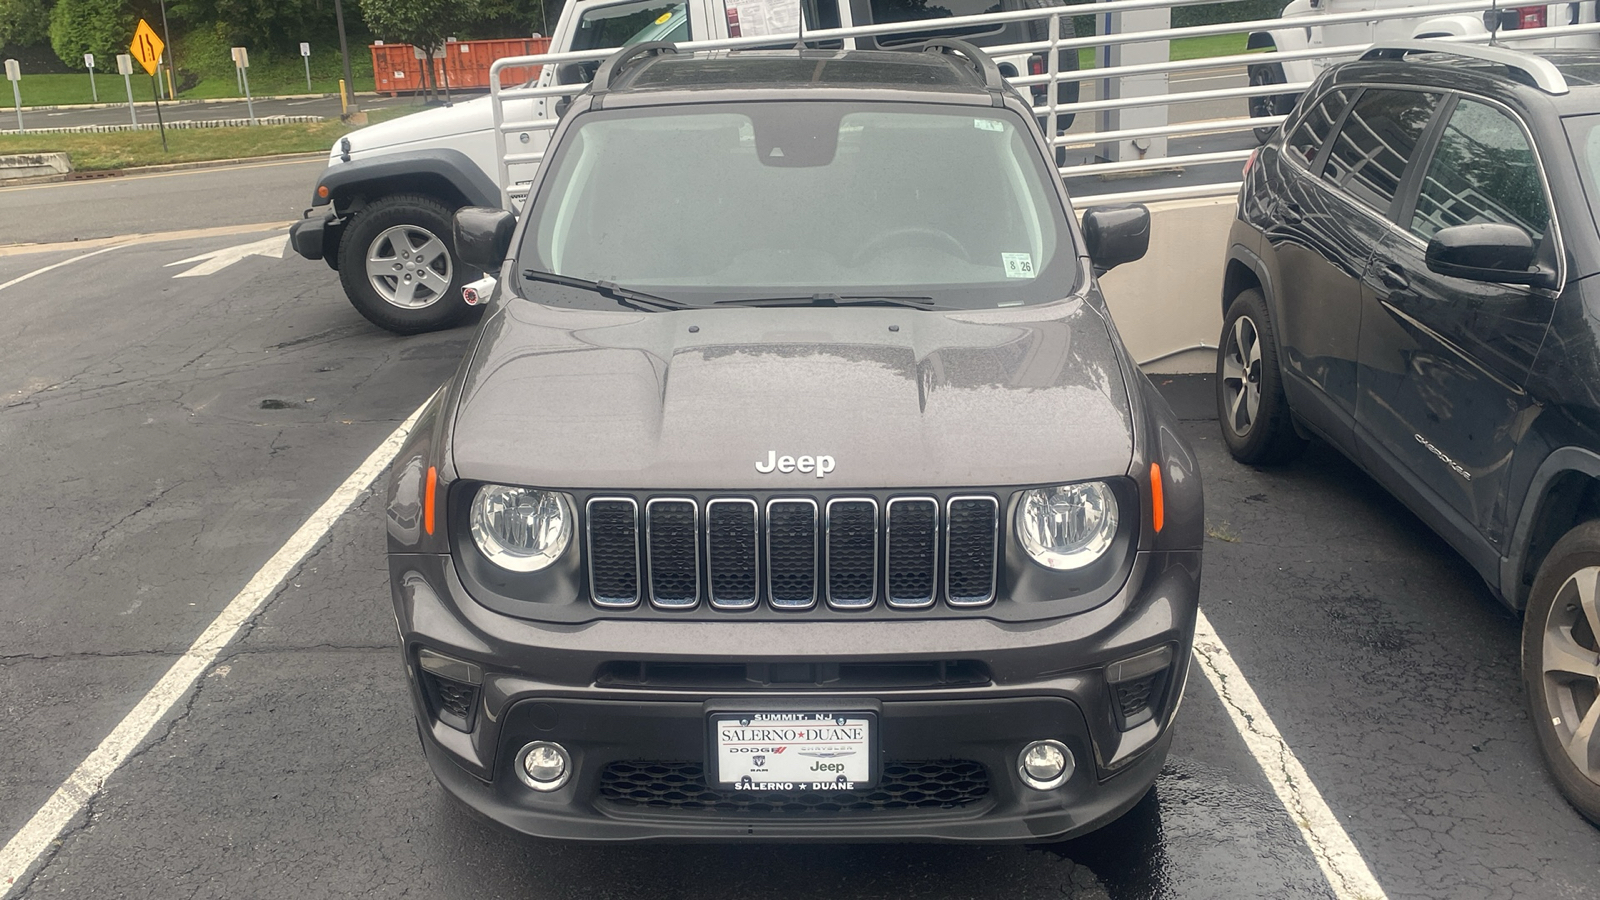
(626, 24)
(706, 203)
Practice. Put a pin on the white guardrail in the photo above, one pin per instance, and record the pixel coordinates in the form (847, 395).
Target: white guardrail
(1094, 122)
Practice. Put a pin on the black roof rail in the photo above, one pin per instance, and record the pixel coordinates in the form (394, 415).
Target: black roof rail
(615, 63)
(1535, 70)
(980, 61)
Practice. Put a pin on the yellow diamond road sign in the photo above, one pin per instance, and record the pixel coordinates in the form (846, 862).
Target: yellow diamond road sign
(147, 47)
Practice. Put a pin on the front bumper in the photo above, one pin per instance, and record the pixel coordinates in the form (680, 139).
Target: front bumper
(638, 748)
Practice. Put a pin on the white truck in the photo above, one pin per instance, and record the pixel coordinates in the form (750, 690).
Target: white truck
(1330, 24)
(381, 211)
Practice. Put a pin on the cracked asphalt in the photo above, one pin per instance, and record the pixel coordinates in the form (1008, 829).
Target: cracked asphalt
(165, 436)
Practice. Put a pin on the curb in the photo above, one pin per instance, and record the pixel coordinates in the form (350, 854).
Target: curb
(164, 167)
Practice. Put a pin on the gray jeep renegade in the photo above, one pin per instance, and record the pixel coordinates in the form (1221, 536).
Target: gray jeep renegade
(796, 485)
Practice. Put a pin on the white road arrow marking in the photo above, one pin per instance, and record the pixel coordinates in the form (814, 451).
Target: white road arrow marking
(275, 247)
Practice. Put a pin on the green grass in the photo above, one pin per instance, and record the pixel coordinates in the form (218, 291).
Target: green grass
(268, 77)
(126, 149)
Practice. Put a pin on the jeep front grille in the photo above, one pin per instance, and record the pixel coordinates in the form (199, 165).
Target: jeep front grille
(793, 553)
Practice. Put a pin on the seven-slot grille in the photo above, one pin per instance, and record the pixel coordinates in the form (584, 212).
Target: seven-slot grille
(793, 552)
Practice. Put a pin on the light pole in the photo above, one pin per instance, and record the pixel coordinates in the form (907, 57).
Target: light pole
(344, 51)
(172, 62)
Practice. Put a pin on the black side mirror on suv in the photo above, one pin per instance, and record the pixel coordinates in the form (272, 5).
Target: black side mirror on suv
(1114, 235)
(1488, 251)
(483, 236)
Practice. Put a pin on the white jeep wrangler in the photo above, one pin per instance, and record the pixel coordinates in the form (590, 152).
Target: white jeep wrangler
(380, 213)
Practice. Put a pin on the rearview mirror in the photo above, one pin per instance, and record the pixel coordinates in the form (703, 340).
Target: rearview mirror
(1491, 252)
(1114, 235)
(483, 236)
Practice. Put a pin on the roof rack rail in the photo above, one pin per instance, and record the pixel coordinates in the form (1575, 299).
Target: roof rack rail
(980, 61)
(616, 62)
(1540, 72)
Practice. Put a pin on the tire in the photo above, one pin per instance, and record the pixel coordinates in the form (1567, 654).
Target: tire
(1270, 104)
(399, 267)
(1251, 407)
(1559, 632)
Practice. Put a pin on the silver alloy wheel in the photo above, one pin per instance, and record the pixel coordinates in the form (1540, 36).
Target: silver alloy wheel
(1241, 375)
(1571, 664)
(408, 266)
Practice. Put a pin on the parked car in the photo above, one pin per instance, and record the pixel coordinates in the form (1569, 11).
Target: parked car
(1304, 29)
(1409, 279)
(796, 485)
(380, 213)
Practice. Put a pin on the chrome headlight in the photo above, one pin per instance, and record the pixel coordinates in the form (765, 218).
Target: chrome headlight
(521, 529)
(1067, 526)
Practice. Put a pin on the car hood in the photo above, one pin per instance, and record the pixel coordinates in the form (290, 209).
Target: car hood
(696, 399)
(445, 121)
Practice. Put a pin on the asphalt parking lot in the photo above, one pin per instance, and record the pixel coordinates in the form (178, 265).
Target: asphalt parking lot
(167, 431)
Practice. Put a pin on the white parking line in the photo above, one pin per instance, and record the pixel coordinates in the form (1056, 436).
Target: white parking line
(1341, 863)
(36, 838)
(65, 262)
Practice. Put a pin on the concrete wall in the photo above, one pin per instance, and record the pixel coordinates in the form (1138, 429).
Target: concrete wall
(1168, 306)
(27, 165)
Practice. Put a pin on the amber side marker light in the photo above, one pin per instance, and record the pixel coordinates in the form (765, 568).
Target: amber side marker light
(1158, 510)
(322, 191)
(432, 486)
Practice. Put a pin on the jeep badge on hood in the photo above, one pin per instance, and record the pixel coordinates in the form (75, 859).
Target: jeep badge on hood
(822, 465)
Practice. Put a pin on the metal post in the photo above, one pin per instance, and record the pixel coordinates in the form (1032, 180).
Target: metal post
(16, 97)
(88, 60)
(172, 61)
(125, 69)
(308, 73)
(238, 78)
(344, 50)
(248, 103)
(155, 90)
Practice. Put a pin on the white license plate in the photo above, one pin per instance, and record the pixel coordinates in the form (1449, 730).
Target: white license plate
(793, 751)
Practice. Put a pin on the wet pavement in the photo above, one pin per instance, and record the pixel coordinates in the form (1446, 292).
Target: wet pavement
(164, 437)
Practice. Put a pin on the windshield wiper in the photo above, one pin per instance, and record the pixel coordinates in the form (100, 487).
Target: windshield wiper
(625, 296)
(904, 300)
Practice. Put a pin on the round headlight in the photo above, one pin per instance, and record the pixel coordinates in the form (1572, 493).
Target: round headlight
(1068, 526)
(520, 529)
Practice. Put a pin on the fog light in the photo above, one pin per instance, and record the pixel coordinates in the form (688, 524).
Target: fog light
(1045, 765)
(543, 766)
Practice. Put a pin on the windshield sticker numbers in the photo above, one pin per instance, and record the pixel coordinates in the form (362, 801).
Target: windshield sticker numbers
(1018, 265)
(988, 125)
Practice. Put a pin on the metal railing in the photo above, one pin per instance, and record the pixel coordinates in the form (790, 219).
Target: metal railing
(1210, 113)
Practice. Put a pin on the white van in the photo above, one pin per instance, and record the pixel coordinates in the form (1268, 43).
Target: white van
(381, 211)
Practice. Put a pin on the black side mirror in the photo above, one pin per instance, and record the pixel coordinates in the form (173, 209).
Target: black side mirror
(1114, 235)
(1491, 252)
(483, 236)
(577, 72)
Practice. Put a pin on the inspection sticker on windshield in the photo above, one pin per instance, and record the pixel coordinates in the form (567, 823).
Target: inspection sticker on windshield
(1018, 265)
(988, 125)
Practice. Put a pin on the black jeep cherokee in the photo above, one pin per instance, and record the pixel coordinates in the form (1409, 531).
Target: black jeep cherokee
(1411, 278)
(796, 485)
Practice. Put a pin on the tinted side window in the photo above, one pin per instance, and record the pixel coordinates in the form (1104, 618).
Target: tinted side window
(1483, 171)
(1377, 140)
(1315, 127)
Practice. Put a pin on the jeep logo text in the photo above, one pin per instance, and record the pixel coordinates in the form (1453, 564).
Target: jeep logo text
(821, 465)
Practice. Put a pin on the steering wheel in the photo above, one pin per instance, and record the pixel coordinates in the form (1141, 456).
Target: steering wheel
(912, 236)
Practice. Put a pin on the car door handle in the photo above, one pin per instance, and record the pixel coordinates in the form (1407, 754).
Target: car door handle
(1393, 278)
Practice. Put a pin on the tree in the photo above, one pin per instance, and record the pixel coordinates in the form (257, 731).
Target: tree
(423, 24)
(23, 22)
(102, 27)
